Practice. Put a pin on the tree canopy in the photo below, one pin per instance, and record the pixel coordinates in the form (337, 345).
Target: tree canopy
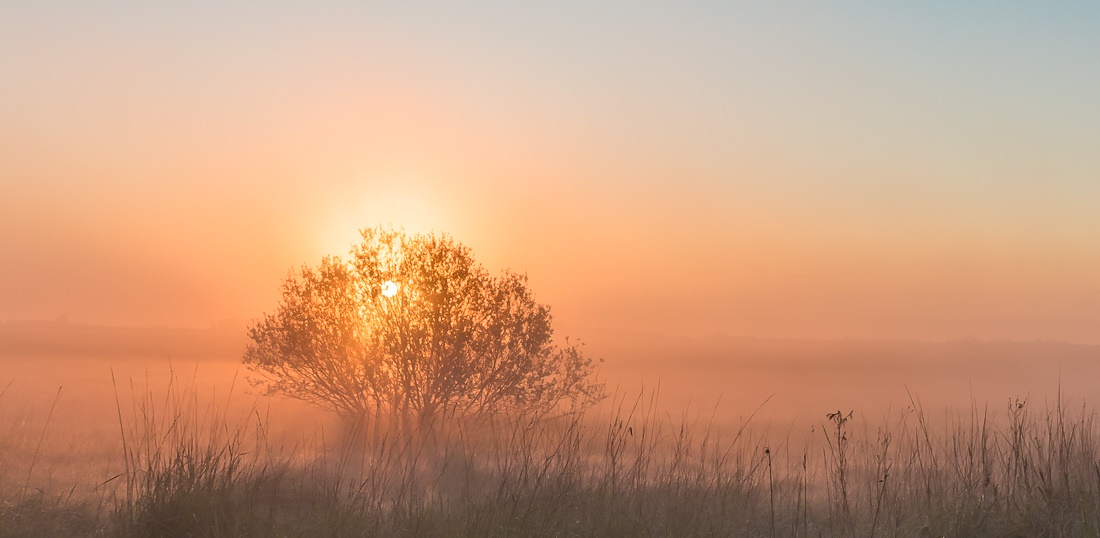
(413, 325)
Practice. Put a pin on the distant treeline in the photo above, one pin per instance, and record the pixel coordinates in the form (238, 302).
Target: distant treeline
(54, 338)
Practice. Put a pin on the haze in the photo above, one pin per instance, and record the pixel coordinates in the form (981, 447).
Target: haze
(852, 170)
(799, 237)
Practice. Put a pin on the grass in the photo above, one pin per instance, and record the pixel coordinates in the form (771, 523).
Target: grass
(191, 468)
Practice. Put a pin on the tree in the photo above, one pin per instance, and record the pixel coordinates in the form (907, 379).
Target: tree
(412, 325)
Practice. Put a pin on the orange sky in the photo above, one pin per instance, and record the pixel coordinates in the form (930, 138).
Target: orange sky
(863, 171)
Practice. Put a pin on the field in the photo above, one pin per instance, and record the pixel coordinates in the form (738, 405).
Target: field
(701, 437)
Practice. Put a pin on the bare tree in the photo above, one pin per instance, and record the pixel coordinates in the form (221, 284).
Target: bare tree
(413, 326)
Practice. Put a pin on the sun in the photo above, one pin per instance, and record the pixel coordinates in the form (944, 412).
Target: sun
(389, 288)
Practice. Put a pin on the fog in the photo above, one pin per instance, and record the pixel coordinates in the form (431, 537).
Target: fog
(785, 385)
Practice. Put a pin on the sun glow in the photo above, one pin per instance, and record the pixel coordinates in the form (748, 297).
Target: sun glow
(389, 288)
(403, 199)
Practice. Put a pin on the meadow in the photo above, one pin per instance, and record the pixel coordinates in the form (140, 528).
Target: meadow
(139, 445)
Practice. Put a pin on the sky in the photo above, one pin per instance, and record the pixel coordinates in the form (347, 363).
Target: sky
(780, 169)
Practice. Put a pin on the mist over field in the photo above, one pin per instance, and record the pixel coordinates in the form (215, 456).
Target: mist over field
(549, 269)
(787, 386)
(800, 380)
(75, 395)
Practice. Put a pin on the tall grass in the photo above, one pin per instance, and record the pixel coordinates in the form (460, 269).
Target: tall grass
(192, 467)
